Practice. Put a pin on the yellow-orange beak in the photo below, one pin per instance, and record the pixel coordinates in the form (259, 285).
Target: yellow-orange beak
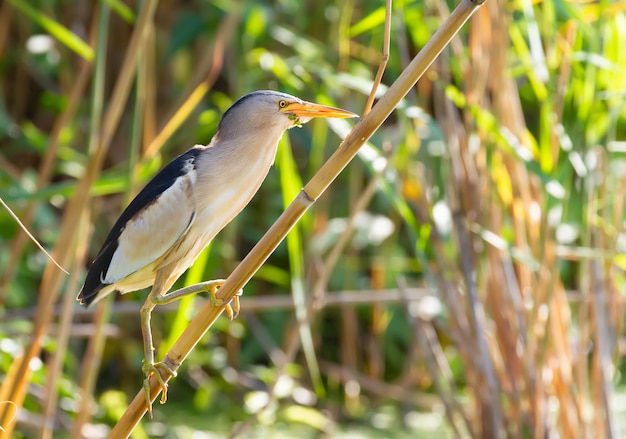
(309, 109)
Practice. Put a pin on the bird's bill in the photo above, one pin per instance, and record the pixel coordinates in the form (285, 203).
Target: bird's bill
(309, 109)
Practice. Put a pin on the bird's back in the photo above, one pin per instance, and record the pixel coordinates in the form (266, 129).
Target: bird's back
(99, 274)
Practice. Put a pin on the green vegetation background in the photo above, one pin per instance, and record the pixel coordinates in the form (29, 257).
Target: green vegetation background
(517, 131)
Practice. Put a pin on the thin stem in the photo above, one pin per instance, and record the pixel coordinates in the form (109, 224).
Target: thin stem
(318, 184)
(51, 283)
(384, 59)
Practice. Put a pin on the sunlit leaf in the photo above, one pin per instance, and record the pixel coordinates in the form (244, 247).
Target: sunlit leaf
(369, 22)
(57, 30)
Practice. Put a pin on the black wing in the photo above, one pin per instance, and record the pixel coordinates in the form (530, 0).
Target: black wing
(180, 166)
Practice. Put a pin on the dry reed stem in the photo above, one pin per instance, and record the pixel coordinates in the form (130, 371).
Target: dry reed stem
(477, 318)
(147, 89)
(337, 299)
(213, 65)
(321, 282)
(506, 107)
(91, 366)
(603, 335)
(259, 331)
(30, 236)
(6, 12)
(44, 172)
(318, 184)
(348, 317)
(423, 401)
(84, 389)
(501, 301)
(15, 390)
(346, 298)
(55, 366)
(55, 369)
(437, 366)
(443, 270)
(384, 59)
(531, 347)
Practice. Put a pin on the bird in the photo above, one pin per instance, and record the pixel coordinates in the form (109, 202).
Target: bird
(179, 212)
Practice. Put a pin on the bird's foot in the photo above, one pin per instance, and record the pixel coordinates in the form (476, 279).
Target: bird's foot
(231, 307)
(155, 368)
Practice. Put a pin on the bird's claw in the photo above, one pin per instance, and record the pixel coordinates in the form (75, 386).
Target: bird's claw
(231, 307)
(154, 368)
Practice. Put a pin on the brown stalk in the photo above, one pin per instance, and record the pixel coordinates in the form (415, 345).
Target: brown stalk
(345, 298)
(348, 317)
(519, 277)
(92, 359)
(444, 270)
(603, 335)
(30, 236)
(55, 367)
(506, 311)
(477, 318)
(45, 171)
(91, 366)
(424, 401)
(147, 89)
(259, 331)
(318, 184)
(437, 365)
(570, 415)
(213, 65)
(383, 62)
(6, 12)
(15, 390)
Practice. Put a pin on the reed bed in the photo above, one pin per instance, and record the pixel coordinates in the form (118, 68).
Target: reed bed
(465, 272)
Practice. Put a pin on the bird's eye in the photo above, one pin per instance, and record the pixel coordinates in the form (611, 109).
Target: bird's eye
(282, 104)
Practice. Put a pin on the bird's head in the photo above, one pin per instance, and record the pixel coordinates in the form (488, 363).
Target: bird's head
(266, 109)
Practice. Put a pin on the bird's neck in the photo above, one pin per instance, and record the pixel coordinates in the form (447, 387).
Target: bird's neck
(245, 150)
(238, 164)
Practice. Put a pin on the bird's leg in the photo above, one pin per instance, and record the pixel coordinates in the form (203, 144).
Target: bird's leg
(159, 296)
(231, 307)
(149, 366)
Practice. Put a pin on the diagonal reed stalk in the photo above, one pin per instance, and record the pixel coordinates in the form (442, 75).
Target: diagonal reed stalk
(45, 172)
(316, 186)
(302, 335)
(209, 70)
(100, 27)
(15, 385)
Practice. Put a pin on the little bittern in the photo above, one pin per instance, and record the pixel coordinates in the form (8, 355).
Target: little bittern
(163, 230)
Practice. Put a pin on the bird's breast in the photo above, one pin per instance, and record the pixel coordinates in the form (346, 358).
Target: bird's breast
(228, 176)
(231, 176)
(221, 200)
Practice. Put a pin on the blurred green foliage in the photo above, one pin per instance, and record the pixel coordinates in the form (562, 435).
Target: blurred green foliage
(324, 51)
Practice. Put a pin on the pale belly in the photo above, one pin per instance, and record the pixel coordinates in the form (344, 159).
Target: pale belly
(178, 260)
(208, 223)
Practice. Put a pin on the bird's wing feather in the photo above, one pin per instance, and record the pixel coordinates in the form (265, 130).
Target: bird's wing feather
(160, 214)
(151, 232)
